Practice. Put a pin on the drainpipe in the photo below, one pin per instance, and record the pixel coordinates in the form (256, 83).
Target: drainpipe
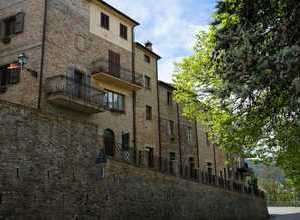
(179, 140)
(158, 118)
(197, 145)
(134, 99)
(215, 159)
(42, 55)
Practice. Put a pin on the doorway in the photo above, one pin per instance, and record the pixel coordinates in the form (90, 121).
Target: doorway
(109, 142)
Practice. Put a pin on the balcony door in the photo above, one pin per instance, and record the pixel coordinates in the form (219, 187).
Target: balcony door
(109, 142)
(78, 89)
(114, 63)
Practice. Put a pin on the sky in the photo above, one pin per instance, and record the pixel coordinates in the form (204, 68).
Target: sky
(170, 25)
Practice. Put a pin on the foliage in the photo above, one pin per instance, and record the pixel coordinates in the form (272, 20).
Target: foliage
(243, 82)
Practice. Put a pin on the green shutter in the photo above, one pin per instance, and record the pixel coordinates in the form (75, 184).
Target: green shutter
(19, 25)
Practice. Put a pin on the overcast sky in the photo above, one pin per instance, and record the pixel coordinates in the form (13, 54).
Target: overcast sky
(169, 24)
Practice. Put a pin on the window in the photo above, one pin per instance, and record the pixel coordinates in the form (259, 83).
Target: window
(189, 135)
(171, 128)
(172, 156)
(172, 159)
(114, 63)
(148, 113)
(9, 74)
(104, 21)
(206, 140)
(170, 98)
(123, 31)
(114, 101)
(147, 82)
(126, 141)
(147, 58)
(12, 25)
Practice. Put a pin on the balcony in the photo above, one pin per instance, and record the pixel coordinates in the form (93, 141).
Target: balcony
(66, 92)
(115, 74)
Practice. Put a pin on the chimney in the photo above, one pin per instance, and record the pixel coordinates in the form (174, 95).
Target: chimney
(148, 45)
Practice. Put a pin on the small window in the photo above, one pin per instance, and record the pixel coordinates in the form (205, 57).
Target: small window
(189, 135)
(148, 113)
(172, 156)
(206, 140)
(114, 101)
(104, 21)
(169, 98)
(147, 82)
(171, 128)
(123, 31)
(147, 58)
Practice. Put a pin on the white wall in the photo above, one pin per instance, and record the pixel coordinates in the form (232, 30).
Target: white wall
(113, 34)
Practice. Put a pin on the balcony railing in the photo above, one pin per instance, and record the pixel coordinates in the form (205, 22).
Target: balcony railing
(65, 91)
(172, 167)
(103, 65)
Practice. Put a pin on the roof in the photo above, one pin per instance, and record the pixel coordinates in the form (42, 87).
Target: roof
(146, 49)
(118, 12)
(166, 85)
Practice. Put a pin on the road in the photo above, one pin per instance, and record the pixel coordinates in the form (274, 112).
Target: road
(284, 213)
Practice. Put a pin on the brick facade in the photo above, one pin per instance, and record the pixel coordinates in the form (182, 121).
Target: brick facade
(70, 44)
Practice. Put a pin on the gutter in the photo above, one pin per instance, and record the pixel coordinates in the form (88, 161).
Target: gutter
(197, 145)
(42, 55)
(134, 99)
(158, 118)
(179, 140)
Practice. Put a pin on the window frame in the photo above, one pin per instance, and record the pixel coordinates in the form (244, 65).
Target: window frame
(11, 76)
(149, 115)
(104, 21)
(147, 82)
(113, 105)
(123, 31)
(169, 98)
(171, 128)
(189, 134)
(147, 58)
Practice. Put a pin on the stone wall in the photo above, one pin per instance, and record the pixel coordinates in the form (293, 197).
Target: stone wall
(48, 170)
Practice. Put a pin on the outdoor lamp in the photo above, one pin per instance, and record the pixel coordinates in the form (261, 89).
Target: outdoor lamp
(22, 59)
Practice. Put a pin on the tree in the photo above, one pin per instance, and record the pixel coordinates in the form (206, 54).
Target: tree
(243, 82)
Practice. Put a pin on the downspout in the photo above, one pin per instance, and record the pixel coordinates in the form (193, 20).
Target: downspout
(158, 118)
(179, 141)
(134, 99)
(197, 145)
(42, 54)
(215, 160)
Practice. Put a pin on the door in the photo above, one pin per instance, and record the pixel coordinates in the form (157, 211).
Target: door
(109, 142)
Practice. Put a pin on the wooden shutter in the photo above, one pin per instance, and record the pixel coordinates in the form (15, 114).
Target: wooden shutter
(19, 25)
(114, 63)
(2, 29)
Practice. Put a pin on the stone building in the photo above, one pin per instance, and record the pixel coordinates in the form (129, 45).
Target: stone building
(83, 63)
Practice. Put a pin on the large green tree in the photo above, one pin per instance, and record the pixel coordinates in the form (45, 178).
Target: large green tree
(243, 82)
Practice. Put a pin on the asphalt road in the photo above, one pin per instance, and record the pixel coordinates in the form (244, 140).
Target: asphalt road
(284, 213)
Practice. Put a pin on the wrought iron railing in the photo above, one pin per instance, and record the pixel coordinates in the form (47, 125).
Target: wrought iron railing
(67, 86)
(104, 65)
(172, 167)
